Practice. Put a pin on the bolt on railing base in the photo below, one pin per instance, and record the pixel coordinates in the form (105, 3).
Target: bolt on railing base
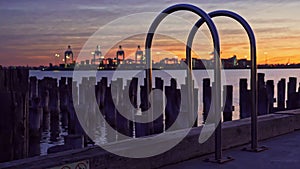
(256, 150)
(219, 161)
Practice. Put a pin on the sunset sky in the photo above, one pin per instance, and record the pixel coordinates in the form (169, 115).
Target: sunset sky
(32, 31)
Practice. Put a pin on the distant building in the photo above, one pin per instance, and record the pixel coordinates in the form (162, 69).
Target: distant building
(139, 55)
(129, 61)
(68, 54)
(230, 62)
(207, 63)
(243, 63)
(202, 63)
(120, 53)
(97, 53)
(111, 62)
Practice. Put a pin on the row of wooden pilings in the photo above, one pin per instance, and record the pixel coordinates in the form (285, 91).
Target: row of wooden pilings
(30, 107)
(266, 94)
(14, 114)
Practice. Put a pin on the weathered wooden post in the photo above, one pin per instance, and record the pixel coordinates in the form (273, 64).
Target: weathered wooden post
(121, 122)
(133, 92)
(82, 109)
(110, 115)
(101, 98)
(206, 98)
(73, 101)
(270, 93)
(63, 102)
(158, 106)
(54, 110)
(86, 109)
(143, 129)
(297, 98)
(33, 87)
(186, 107)
(102, 90)
(132, 89)
(100, 117)
(124, 109)
(244, 99)
(44, 95)
(192, 110)
(35, 113)
(74, 124)
(82, 91)
(128, 109)
(14, 130)
(262, 95)
(93, 121)
(291, 95)
(196, 106)
(228, 103)
(173, 104)
(281, 95)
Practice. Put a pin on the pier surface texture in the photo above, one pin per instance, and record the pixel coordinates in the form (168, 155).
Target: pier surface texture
(283, 153)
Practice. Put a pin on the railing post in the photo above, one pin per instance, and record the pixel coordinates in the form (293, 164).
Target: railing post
(251, 36)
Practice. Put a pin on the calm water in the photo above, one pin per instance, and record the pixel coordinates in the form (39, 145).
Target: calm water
(229, 77)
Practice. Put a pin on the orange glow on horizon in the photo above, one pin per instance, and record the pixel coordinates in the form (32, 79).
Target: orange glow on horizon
(269, 50)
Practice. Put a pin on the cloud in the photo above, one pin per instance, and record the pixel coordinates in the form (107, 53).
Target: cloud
(50, 25)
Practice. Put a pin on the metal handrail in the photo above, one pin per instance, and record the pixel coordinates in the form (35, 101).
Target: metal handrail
(251, 36)
(217, 75)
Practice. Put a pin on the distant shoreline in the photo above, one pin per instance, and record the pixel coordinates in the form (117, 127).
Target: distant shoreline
(112, 69)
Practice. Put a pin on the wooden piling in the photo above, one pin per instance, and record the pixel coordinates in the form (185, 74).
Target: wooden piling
(73, 102)
(206, 98)
(43, 91)
(33, 87)
(54, 110)
(133, 94)
(262, 106)
(92, 119)
(128, 109)
(228, 102)
(123, 125)
(281, 95)
(35, 113)
(186, 108)
(291, 93)
(158, 106)
(63, 102)
(196, 106)
(133, 91)
(14, 130)
(82, 109)
(143, 129)
(110, 116)
(172, 108)
(74, 124)
(244, 99)
(270, 93)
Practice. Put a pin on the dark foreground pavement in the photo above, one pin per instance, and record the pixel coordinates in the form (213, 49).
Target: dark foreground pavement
(283, 153)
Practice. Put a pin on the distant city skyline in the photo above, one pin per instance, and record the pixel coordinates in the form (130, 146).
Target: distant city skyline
(32, 32)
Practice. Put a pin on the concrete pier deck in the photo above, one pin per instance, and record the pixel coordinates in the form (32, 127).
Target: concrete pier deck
(283, 153)
(279, 131)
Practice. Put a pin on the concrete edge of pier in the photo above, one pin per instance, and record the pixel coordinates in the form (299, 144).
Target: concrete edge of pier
(235, 133)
